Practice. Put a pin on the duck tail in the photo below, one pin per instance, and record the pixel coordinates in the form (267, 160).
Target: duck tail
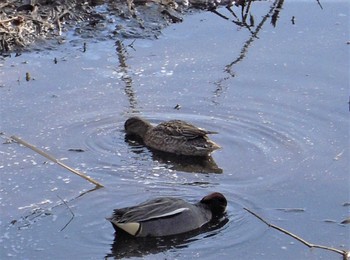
(215, 146)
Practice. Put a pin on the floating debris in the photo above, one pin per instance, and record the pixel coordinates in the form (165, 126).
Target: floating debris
(76, 150)
(345, 221)
(291, 209)
(177, 107)
(28, 76)
(339, 155)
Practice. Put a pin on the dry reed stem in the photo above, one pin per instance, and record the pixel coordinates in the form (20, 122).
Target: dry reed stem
(51, 158)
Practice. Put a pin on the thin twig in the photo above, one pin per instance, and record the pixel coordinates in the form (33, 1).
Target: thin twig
(9, 20)
(51, 158)
(319, 3)
(39, 213)
(344, 253)
(71, 219)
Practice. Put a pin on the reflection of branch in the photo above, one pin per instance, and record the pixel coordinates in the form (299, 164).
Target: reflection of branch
(219, 88)
(244, 15)
(70, 212)
(344, 253)
(123, 68)
(244, 50)
(275, 15)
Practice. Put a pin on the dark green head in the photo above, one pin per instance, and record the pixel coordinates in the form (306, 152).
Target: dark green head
(216, 202)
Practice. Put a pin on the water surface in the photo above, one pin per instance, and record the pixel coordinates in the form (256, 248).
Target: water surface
(279, 101)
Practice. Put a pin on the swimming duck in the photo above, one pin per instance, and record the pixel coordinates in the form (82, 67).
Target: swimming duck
(175, 136)
(168, 216)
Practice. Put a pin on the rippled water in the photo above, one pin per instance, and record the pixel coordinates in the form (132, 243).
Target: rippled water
(280, 109)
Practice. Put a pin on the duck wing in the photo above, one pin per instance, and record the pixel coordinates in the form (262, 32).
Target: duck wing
(152, 209)
(179, 128)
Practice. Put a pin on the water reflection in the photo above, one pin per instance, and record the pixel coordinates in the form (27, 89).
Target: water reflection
(193, 164)
(125, 75)
(273, 13)
(243, 22)
(243, 18)
(125, 246)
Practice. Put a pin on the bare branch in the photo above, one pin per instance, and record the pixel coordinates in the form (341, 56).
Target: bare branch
(344, 253)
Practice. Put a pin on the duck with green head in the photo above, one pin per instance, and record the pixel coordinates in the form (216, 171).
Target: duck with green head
(167, 216)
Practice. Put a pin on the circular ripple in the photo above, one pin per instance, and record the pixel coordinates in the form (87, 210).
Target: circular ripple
(98, 234)
(252, 152)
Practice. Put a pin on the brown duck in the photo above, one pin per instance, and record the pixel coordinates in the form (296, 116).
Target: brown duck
(175, 136)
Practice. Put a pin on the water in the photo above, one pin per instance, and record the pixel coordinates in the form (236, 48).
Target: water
(280, 109)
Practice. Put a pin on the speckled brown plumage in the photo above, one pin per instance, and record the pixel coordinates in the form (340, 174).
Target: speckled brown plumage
(175, 136)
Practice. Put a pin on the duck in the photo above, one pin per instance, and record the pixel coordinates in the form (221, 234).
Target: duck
(174, 136)
(168, 216)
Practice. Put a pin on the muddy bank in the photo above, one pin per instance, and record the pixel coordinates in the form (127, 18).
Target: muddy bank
(25, 22)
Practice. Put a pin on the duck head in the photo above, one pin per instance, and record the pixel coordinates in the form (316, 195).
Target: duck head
(216, 202)
(137, 126)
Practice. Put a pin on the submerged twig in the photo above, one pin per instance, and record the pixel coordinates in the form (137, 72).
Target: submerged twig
(344, 253)
(71, 219)
(40, 212)
(51, 158)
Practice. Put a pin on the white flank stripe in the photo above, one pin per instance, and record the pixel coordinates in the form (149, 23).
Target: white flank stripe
(174, 212)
